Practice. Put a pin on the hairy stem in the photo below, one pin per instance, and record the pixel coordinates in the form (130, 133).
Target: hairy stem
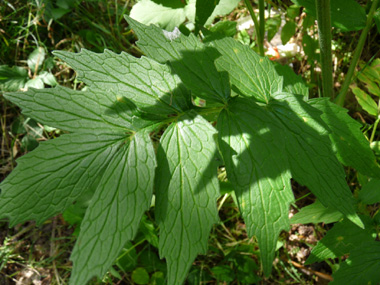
(355, 59)
(259, 36)
(324, 32)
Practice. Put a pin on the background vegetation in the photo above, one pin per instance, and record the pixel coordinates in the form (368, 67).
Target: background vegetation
(30, 30)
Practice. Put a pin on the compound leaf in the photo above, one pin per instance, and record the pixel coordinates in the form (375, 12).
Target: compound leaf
(150, 85)
(114, 215)
(251, 74)
(49, 179)
(341, 239)
(362, 266)
(187, 189)
(190, 59)
(349, 143)
(89, 111)
(258, 171)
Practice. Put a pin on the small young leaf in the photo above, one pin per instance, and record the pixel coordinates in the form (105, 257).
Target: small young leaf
(12, 78)
(367, 103)
(362, 267)
(316, 213)
(370, 193)
(251, 74)
(36, 59)
(342, 239)
(187, 189)
(288, 30)
(114, 215)
(349, 143)
(203, 10)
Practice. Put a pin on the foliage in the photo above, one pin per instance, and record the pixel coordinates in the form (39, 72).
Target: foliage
(160, 130)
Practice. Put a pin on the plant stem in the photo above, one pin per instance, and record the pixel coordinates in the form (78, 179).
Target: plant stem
(374, 130)
(324, 32)
(262, 22)
(259, 36)
(355, 59)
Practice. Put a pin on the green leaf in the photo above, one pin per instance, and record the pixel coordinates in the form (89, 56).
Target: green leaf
(309, 46)
(203, 10)
(251, 74)
(367, 103)
(36, 59)
(362, 267)
(376, 18)
(340, 240)
(225, 28)
(190, 59)
(316, 165)
(346, 15)
(12, 78)
(260, 144)
(223, 273)
(258, 170)
(316, 213)
(150, 85)
(370, 193)
(49, 179)
(166, 14)
(187, 189)
(140, 276)
(113, 217)
(171, 13)
(93, 112)
(288, 30)
(349, 143)
(293, 83)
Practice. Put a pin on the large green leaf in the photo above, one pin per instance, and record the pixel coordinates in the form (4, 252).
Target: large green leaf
(114, 215)
(349, 143)
(187, 189)
(261, 146)
(94, 112)
(251, 74)
(311, 158)
(150, 85)
(258, 170)
(341, 239)
(191, 60)
(346, 15)
(49, 179)
(362, 267)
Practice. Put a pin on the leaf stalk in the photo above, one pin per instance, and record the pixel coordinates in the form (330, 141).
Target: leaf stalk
(324, 32)
(259, 27)
(355, 59)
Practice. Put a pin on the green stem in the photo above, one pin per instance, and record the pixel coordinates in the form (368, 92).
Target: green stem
(259, 36)
(374, 130)
(355, 59)
(324, 32)
(262, 23)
